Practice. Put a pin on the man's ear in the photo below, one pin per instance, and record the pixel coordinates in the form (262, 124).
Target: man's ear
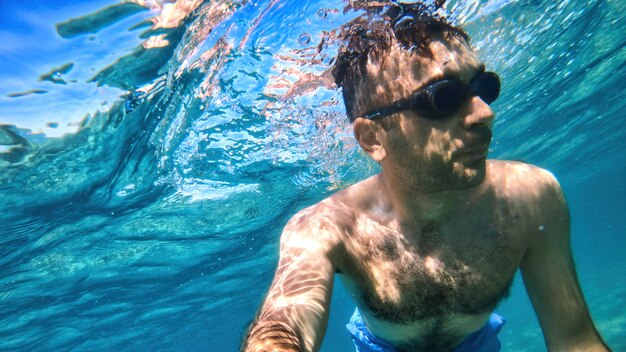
(368, 135)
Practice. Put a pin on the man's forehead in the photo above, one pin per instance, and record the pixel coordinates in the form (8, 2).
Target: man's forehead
(405, 71)
(454, 57)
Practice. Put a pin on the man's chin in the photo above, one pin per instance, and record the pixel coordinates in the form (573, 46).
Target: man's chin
(472, 175)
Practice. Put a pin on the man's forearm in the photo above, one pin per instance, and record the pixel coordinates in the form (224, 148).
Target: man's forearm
(600, 347)
(582, 342)
(272, 336)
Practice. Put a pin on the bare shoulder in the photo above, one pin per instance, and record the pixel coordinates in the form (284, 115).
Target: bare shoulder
(335, 215)
(322, 228)
(531, 192)
(523, 181)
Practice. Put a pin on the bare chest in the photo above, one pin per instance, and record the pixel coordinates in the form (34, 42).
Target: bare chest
(437, 273)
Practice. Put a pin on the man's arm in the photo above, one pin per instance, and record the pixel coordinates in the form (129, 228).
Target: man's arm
(294, 315)
(550, 276)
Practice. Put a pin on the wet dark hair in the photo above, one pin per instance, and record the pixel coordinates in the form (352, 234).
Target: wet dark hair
(409, 25)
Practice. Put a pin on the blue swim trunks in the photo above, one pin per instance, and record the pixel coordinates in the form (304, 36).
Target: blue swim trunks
(483, 340)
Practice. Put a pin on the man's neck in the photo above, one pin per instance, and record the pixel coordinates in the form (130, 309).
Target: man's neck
(415, 205)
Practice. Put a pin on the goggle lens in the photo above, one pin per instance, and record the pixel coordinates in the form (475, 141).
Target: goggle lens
(488, 87)
(446, 99)
(448, 96)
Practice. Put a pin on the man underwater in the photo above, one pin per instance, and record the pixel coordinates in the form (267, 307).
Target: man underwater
(430, 245)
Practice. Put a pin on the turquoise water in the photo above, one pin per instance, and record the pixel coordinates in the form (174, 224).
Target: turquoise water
(150, 156)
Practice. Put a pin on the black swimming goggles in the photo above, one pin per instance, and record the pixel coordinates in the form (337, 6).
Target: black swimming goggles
(442, 98)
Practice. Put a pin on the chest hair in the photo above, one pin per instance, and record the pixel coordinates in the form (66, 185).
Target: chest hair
(434, 275)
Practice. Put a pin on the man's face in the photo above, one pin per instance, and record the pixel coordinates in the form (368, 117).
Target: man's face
(430, 154)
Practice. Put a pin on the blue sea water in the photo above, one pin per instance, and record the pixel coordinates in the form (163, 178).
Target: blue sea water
(152, 151)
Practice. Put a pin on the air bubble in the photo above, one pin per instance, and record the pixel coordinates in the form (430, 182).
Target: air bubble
(305, 38)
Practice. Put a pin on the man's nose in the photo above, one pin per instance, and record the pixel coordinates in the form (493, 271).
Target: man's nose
(478, 113)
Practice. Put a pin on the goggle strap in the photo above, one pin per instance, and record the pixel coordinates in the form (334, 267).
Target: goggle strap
(385, 111)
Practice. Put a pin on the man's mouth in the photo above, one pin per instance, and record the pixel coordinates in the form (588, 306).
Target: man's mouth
(473, 155)
(476, 143)
(477, 137)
